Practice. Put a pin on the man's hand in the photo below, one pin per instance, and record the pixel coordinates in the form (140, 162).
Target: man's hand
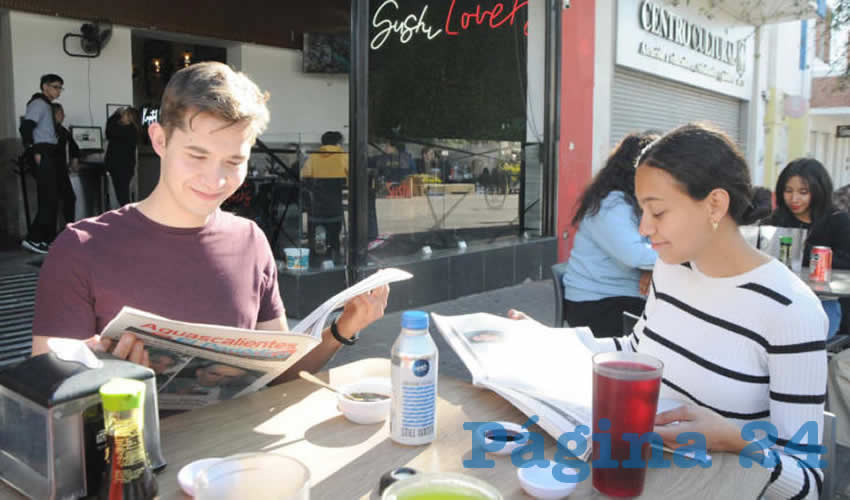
(37, 158)
(75, 165)
(645, 281)
(128, 347)
(362, 311)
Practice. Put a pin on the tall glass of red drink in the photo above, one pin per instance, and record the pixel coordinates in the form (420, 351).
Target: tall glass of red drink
(625, 392)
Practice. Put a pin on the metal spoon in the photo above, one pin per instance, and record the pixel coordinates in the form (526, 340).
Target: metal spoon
(359, 396)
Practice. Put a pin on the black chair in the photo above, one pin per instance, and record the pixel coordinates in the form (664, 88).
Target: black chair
(629, 322)
(558, 271)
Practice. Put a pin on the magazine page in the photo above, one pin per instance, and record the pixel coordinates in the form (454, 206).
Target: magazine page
(543, 371)
(198, 364)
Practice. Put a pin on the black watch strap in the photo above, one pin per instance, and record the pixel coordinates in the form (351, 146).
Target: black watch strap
(340, 338)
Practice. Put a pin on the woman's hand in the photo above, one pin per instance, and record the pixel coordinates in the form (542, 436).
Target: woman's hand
(720, 434)
(362, 311)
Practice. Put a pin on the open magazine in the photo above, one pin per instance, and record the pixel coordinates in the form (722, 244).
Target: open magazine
(198, 364)
(543, 371)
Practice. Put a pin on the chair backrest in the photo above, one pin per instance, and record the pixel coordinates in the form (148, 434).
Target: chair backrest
(829, 472)
(558, 271)
(629, 322)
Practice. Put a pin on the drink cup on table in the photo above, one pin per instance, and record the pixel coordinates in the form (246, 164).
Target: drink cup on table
(625, 393)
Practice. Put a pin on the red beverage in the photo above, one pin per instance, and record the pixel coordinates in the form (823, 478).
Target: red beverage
(625, 391)
(820, 264)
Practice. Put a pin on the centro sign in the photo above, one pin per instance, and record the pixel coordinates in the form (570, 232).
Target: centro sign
(666, 24)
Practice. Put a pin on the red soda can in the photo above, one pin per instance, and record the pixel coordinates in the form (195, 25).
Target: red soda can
(820, 264)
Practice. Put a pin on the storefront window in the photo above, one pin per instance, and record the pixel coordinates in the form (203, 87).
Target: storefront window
(455, 125)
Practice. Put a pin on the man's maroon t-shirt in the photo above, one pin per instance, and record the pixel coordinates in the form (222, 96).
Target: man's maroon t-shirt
(223, 273)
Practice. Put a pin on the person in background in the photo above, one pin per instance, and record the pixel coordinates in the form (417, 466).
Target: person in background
(610, 264)
(841, 198)
(742, 338)
(804, 200)
(122, 132)
(38, 132)
(325, 174)
(68, 157)
(176, 253)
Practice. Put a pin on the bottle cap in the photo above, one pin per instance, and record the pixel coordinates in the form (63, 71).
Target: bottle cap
(786, 240)
(394, 475)
(414, 320)
(122, 394)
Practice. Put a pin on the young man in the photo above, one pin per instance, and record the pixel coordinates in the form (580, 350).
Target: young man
(38, 132)
(324, 176)
(175, 253)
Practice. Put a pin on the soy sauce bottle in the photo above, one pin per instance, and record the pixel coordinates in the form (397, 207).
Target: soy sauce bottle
(128, 474)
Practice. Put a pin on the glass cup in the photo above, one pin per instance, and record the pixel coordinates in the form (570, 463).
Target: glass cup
(625, 392)
(441, 486)
(258, 476)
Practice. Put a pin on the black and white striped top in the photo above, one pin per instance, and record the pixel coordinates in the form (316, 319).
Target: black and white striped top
(750, 347)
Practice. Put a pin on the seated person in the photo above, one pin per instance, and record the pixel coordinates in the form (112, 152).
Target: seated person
(604, 275)
(740, 335)
(175, 253)
(325, 173)
(804, 200)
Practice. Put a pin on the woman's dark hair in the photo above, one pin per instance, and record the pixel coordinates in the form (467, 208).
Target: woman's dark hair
(703, 159)
(618, 174)
(816, 178)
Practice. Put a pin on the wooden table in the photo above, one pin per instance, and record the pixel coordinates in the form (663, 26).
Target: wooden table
(838, 286)
(346, 460)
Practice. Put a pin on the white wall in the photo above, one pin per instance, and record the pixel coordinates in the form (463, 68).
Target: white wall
(7, 101)
(790, 79)
(302, 105)
(603, 73)
(536, 70)
(89, 83)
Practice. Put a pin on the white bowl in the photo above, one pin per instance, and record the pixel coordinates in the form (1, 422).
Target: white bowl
(186, 476)
(509, 446)
(366, 412)
(540, 483)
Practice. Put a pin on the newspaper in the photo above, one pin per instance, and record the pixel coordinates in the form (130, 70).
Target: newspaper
(199, 364)
(547, 372)
(542, 371)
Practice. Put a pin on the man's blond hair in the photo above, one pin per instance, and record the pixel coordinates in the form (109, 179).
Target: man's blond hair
(214, 88)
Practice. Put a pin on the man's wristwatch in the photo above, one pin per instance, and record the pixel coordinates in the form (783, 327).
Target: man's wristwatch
(340, 338)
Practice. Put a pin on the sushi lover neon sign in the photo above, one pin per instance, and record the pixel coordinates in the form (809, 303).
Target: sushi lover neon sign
(457, 21)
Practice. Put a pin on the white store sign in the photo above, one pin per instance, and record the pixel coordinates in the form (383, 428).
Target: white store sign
(681, 44)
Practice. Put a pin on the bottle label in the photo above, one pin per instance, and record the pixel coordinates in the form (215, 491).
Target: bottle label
(413, 413)
(128, 452)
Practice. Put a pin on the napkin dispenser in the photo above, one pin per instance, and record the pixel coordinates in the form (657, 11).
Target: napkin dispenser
(52, 440)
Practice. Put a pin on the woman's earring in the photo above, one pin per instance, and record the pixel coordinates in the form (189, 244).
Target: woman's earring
(714, 224)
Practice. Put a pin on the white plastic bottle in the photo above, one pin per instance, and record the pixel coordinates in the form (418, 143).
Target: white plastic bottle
(413, 415)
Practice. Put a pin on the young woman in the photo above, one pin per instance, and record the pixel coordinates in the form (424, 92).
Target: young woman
(123, 132)
(741, 336)
(804, 200)
(609, 257)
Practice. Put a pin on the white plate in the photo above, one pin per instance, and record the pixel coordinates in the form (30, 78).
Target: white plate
(540, 483)
(186, 476)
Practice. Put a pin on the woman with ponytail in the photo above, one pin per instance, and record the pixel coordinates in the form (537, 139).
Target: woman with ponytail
(742, 338)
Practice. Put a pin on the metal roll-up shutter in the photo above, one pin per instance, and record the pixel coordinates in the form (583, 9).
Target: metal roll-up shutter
(641, 101)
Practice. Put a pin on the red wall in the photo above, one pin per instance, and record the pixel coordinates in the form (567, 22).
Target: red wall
(574, 164)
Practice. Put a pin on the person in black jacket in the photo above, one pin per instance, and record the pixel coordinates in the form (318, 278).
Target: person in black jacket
(804, 200)
(122, 132)
(38, 132)
(68, 160)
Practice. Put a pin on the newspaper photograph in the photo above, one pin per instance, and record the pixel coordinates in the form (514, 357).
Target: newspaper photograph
(200, 364)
